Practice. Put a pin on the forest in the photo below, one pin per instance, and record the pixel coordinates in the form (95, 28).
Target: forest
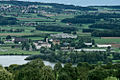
(7, 20)
(90, 18)
(55, 28)
(100, 16)
(106, 33)
(78, 20)
(36, 70)
(73, 57)
(105, 26)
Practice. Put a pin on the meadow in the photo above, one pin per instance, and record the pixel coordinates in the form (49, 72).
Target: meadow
(106, 40)
(16, 51)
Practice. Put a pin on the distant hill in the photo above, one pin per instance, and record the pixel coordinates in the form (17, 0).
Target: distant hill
(54, 5)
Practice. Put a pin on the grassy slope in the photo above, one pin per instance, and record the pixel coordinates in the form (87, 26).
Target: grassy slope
(8, 50)
(111, 78)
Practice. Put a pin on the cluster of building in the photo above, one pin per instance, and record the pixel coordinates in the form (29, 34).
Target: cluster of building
(40, 44)
(100, 47)
(55, 40)
(21, 9)
(48, 43)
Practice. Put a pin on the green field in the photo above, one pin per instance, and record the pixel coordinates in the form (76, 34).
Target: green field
(109, 40)
(111, 78)
(17, 51)
(36, 38)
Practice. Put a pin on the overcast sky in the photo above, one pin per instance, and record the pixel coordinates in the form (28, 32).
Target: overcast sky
(82, 2)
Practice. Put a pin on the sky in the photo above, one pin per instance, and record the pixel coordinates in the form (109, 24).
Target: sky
(82, 2)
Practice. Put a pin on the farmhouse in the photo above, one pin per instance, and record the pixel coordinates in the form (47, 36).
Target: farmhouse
(9, 41)
(88, 44)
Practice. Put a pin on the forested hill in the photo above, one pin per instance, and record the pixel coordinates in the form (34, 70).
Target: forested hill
(113, 7)
(54, 5)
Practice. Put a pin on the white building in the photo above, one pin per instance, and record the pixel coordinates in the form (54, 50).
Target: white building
(44, 44)
(88, 44)
(91, 50)
(103, 45)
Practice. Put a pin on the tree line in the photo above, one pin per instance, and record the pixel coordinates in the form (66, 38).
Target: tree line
(100, 16)
(106, 33)
(78, 20)
(105, 26)
(55, 28)
(90, 18)
(73, 57)
(7, 20)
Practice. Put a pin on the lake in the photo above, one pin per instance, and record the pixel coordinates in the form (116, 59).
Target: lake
(8, 60)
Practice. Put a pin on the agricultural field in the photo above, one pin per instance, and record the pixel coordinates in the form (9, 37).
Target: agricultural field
(16, 51)
(108, 40)
(82, 43)
(61, 19)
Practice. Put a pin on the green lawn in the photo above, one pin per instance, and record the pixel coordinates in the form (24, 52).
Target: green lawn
(116, 61)
(102, 40)
(63, 16)
(111, 78)
(9, 50)
(36, 38)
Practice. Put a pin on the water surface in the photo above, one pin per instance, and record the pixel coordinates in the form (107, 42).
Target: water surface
(8, 60)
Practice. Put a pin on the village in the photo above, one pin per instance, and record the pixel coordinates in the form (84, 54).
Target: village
(56, 41)
(65, 40)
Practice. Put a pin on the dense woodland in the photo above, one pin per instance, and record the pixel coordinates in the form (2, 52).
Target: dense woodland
(112, 7)
(106, 33)
(100, 16)
(36, 70)
(90, 18)
(78, 20)
(55, 28)
(7, 20)
(105, 26)
(73, 57)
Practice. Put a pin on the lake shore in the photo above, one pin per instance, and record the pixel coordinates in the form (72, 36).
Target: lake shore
(7, 60)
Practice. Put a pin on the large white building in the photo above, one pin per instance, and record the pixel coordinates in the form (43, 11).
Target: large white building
(103, 45)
